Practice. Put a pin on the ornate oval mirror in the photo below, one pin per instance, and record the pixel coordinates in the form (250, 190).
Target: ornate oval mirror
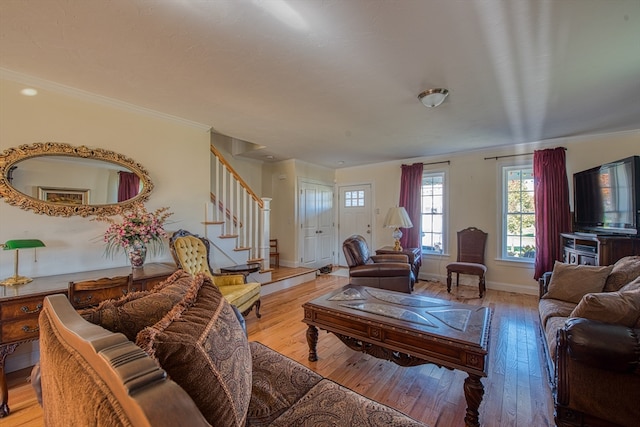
(59, 179)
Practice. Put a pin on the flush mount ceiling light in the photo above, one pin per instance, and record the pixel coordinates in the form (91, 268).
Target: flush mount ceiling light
(433, 97)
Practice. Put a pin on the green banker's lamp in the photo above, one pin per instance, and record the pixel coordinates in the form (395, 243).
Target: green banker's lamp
(17, 245)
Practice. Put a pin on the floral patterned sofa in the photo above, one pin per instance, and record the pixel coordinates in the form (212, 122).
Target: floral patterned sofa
(192, 365)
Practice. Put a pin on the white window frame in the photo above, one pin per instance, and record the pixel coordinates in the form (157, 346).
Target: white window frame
(445, 214)
(503, 250)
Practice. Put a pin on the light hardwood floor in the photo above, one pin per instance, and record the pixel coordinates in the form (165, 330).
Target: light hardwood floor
(516, 390)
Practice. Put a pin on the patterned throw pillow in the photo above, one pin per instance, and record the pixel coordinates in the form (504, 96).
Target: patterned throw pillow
(204, 349)
(571, 282)
(137, 310)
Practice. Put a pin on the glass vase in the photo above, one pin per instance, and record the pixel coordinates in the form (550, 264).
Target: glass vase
(137, 254)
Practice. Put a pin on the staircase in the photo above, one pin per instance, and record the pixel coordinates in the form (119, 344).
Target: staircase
(236, 221)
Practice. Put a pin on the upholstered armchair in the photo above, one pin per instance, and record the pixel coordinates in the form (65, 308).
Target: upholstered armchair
(191, 254)
(388, 271)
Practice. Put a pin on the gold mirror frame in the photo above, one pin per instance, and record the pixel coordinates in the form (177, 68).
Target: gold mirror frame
(11, 156)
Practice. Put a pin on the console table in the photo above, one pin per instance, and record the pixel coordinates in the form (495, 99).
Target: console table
(20, 306)
(414, 254)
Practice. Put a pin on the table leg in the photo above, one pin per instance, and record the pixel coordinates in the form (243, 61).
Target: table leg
(312, 340)
(473, 391)
(5, 350)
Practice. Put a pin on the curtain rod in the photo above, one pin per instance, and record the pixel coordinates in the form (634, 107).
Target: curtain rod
(437, 163)
(515, 155)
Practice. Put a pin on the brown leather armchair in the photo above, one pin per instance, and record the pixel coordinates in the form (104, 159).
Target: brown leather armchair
(389, 271)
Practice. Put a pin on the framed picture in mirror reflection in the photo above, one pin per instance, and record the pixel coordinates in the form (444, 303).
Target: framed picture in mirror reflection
(66, 196)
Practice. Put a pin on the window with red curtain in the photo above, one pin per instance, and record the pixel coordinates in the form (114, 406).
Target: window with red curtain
(410, 189)
(553, 215)
(128, 186)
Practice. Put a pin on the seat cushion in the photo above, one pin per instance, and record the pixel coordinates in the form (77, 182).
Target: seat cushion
(238, 295)
(548, 308)
(137, 310)
(204, 349)
(330, 404)
(467, 268)
(277, 383)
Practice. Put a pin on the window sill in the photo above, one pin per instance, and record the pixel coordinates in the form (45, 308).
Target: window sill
(524, 263)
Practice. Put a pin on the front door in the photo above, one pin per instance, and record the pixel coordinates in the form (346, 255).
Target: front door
(355, 216)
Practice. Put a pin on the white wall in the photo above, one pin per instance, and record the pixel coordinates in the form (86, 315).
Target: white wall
(175, 153)
(474, 197)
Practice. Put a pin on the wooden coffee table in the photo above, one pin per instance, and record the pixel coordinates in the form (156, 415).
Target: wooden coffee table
(408, 330)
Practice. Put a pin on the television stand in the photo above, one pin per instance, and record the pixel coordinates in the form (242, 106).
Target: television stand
(594, 249)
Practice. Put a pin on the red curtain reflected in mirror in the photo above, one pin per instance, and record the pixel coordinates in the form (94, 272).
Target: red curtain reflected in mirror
(128, 186)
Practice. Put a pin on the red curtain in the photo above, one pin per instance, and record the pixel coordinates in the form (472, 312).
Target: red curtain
(553, 216)
(128, 186)
(410, 192)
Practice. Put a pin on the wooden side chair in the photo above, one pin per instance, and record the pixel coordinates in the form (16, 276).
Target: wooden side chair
(471, 244)
(88, 293)
(274, 253)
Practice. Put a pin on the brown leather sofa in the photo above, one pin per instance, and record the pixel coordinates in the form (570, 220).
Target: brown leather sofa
(387, 271)
(192, 365)
(592, 344)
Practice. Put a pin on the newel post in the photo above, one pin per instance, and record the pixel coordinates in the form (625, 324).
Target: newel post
(266, 232)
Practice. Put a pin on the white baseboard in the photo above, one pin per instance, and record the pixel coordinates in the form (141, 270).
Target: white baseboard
(287, 283)
(497, 286)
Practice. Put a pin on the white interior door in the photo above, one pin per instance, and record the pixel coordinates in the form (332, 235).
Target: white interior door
(316, 224)
(355, 215)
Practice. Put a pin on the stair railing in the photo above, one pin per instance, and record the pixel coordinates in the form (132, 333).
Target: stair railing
(245, 215)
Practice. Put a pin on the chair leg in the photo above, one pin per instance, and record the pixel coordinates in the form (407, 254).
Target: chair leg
(448, 281)
(481, 285)
(457, 279)
(257, 304)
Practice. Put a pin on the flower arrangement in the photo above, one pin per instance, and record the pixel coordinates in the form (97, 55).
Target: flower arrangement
(138, 227)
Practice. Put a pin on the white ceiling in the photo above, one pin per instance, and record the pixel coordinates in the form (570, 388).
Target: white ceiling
(331, 81)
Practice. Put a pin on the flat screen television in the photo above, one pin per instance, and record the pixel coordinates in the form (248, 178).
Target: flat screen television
(607, 198)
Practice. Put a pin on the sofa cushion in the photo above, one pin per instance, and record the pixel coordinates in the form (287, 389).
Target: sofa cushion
(551, 332)
(203, 348)
(620, 308)
(277, 383)
(330, 404)
(635, 284)
(137, 310)
(571, 282)
(624, 271)
(548, 308)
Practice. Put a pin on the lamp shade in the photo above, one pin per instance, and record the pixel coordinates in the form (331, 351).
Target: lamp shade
(23, 244)
(397, 218)
(16, 245)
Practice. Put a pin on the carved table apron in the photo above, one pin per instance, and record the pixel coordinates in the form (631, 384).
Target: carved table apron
(408, 330)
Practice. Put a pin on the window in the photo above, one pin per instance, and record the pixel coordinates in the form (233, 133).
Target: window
(518, 219)
(353, 199)
(433, 212)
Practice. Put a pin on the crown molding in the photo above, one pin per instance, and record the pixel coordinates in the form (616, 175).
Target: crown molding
(97, 99)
